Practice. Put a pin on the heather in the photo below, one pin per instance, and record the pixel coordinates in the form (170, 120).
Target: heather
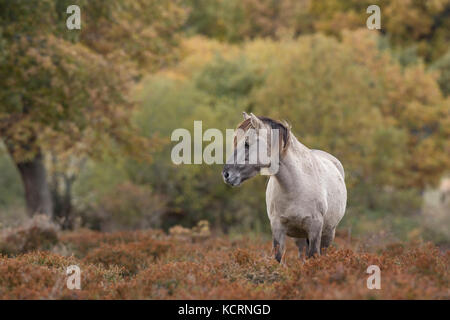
(152, 264)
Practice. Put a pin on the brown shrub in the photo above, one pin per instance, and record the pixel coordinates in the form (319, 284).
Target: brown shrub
(42, 275)
(19, 280)
(242, 257)
(83, 241)
(199, 232)
(36, 233)
(150, 265)
(129, 207)
(131, 256)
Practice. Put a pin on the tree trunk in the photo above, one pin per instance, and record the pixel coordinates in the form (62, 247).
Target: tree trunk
(61, 191)
(37, 191)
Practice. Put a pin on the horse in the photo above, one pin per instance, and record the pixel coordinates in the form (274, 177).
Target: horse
(306, 195)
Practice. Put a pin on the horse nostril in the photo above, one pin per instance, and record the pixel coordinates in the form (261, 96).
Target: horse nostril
(225, 174)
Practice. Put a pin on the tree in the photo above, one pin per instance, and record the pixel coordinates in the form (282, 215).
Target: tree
(66, 91)
(237, 20)
(423, 25)
(420, 25)
(388, 124)
(443, 67)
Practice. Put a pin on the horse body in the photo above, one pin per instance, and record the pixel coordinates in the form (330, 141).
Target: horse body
(306, 197)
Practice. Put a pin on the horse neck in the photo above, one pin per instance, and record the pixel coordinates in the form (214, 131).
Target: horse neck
(291, 163)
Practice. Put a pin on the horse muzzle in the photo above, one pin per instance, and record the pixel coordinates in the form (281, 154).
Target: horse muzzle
(230, 178)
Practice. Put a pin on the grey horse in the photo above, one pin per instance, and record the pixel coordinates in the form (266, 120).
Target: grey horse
(306, 195)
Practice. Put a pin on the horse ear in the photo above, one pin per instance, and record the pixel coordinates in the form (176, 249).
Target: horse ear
(245, 115)
(256, 123)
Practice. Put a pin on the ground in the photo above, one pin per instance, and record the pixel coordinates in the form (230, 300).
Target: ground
(152, 264)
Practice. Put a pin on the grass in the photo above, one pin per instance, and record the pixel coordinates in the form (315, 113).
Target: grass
(182, 265)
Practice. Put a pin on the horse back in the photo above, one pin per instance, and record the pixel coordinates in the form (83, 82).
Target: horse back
(332, 158)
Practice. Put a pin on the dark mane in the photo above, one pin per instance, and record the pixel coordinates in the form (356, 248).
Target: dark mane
(283, 129)
(274, 124)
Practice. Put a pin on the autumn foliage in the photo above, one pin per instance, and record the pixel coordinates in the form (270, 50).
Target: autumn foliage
(153, 265)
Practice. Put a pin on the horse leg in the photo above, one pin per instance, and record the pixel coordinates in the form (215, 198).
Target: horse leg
(314, 238)
(279, 237)
(301, 244)
(327, 239)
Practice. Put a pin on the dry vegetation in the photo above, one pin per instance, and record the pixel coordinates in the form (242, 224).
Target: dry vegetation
(192, 264)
